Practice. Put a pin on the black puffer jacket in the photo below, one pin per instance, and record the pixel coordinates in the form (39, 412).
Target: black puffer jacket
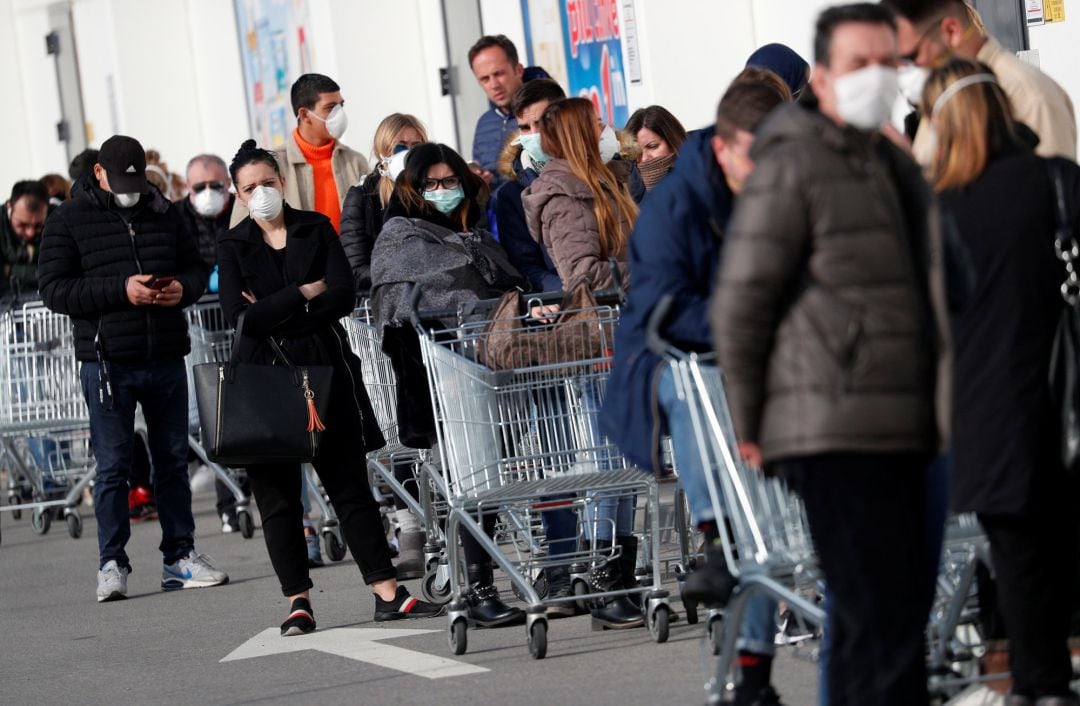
(206, 231)
(361, 221)
(90, 248)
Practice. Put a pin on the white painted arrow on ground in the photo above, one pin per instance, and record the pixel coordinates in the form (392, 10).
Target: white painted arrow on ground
(361, 644)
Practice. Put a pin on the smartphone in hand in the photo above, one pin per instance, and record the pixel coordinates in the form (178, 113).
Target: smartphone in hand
(160, 283)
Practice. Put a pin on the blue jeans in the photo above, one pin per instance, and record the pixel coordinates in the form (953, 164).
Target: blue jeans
(757, 633)
(161, 388)
(606, 511)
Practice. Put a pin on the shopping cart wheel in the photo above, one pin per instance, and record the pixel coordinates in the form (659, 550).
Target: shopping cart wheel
(431, 590)
(538, 639)
(659, 622)
(691, 612)
(247, 525)
(74, 524)
(13, 499)
(40, 519)
(335, 549)
(459, 640)
(714, 634)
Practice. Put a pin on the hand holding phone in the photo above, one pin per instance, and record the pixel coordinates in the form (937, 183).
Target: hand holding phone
(160, 283)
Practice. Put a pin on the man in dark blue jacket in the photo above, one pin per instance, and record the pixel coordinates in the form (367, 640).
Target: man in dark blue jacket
(675, 250)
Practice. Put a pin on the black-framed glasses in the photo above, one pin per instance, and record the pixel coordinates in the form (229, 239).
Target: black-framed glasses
(910, 58)
(202, 185)
(450, 182)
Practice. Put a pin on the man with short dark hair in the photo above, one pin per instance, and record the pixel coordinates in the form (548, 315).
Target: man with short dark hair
(81, 164)
(20, 237)
(318, 168)
(827, 320)
(929, 31)
(494, 62)
(118, 260)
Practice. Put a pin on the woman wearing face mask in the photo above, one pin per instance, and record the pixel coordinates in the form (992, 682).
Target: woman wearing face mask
(1006, 451)
(285, 272)
(362, 214)
(583, 215)
(431, 239)
(659, 134)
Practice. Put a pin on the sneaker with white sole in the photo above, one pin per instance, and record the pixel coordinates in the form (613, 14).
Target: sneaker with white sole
(193, 571)
(112, 582)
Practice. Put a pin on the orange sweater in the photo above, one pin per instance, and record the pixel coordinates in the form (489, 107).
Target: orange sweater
(327, 201)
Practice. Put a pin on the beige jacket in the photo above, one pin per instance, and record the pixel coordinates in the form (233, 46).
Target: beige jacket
(349, 165)
(1037, 101)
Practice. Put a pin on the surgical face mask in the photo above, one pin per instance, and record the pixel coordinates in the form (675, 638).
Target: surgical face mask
(446, 200)
(912, 80)
(336, 122)
(391, 167)
(208, 202)
(865, 98)
(609, 144)
(530, 142)
(265, 203)
(126, 200)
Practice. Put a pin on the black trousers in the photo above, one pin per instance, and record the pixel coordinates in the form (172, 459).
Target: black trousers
(866, 515)
(341, 466)
(1034, 568)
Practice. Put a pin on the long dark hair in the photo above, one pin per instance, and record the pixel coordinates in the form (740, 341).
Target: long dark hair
(410, 183)
(659, 120)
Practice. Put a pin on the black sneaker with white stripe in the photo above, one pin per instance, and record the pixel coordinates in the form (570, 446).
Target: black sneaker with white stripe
(405, 607)
(301, 620)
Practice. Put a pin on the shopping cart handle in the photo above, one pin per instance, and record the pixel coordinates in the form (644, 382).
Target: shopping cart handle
(654, 339)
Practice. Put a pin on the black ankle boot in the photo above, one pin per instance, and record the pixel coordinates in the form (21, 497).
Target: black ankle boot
(485, 607)
(711, 584)
(628, 566)
(559, 586)
(612, 613)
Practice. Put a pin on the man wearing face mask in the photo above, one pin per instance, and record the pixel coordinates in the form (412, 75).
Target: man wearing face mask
(118, 260)
(827, 319)
(318, 167)
(930, 31)
(206, 210)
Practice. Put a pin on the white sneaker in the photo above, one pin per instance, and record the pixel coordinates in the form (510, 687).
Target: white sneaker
(112, 582)
(226, 524)
(193, 571)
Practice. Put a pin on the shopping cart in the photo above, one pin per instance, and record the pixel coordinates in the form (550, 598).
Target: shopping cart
(44, 423)
(518, 441)
(365, 339)
(768, 545)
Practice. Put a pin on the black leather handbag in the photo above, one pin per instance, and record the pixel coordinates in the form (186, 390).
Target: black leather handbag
(1065, 354)
(253, 414)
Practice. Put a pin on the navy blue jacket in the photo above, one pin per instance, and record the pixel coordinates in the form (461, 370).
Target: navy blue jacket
(526, 254)
(674, 249)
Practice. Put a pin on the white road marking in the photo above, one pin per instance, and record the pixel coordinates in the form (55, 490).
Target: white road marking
(361, 644)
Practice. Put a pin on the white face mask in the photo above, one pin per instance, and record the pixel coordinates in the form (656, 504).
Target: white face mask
(912, 80)
(208, 202)
(336, 122)
(391, 167)
(609, 144)
(126, 200)
(865, 98)
(265, 203)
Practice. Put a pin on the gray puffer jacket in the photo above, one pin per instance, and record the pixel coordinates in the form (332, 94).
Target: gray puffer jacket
(828, 314)
(559, 212)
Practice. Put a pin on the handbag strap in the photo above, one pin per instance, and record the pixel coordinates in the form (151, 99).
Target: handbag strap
(279, 352)
(1065, 245)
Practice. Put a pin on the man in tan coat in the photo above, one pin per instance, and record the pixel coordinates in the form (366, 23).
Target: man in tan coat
(317, 167)
(929, 31)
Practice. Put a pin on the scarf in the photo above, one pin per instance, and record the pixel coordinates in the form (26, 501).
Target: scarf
(655, 169)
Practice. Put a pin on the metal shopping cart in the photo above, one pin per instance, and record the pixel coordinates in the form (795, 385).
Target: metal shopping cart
(514, 439)
(365, 339)
(768, 546)
(44, 423)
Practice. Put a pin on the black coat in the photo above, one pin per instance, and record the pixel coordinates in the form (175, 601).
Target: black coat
(20, 258)
(1004, 434)
(88, 251)
(206, 231)
(310, 332)
(361, 221)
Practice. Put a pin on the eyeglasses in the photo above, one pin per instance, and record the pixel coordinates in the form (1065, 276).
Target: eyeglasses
(450, 182)
(215, 185)
(910, 58)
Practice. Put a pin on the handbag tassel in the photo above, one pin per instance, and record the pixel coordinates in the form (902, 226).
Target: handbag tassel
(314, 423)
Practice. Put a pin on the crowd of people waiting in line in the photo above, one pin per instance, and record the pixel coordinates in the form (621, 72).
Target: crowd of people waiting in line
(883, 303)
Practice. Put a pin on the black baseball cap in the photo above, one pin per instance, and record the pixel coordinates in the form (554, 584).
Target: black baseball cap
(124, 161)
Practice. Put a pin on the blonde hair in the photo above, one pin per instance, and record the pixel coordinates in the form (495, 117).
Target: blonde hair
(972, 124)
(568, 131)
(385, 138)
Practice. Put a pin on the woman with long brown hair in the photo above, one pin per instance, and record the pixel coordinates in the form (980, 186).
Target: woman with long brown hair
(1007, 467)
(577, 208)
